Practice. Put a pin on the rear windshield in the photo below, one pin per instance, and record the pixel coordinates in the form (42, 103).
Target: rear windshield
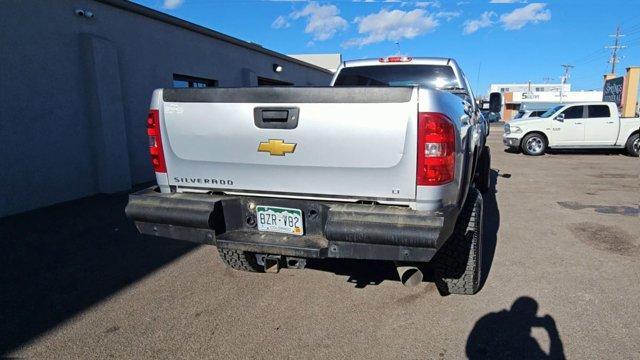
(429, 76)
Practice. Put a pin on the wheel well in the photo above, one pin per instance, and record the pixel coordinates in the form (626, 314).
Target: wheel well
(537, 132)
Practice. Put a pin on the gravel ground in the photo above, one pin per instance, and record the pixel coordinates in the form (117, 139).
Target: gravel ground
(562, 277)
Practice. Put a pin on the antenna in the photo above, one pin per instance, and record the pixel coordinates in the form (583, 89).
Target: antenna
(478, 77)
(614, 50)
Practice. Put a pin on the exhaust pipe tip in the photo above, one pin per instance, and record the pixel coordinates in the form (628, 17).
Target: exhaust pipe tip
(410, 276)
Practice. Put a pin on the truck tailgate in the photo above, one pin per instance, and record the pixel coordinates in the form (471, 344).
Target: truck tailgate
(347, 142)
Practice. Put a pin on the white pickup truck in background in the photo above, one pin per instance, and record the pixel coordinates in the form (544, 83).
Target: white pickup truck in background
(385, 164)
(589, 125)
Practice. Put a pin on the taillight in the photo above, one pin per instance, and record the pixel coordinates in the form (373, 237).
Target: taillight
(155, 141)
(436, 149)
(395, 59)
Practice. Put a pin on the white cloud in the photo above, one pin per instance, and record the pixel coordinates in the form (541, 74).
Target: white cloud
(503, 1)
(322, 20)
(392, 25)
(424, 4)
(533, 13)
(485, 20)
(280, 22)
(448, 15)
(172, 4)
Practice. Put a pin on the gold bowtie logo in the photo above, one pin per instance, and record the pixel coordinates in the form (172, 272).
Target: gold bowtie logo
(276, 147)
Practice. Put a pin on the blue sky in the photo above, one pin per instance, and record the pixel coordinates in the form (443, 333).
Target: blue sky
(494, 40)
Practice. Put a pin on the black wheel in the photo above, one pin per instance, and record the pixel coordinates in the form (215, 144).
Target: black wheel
(458, 264)
(633, 145)
(240, 260)
(483, 173)
(534, 144)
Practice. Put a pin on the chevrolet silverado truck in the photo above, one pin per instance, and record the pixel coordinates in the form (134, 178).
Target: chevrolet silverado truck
(388, 163)
(589, 125)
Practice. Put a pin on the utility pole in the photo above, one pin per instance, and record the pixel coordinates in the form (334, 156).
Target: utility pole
(564, 77)
(614, 50)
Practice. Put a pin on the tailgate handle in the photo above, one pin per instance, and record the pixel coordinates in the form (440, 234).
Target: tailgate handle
(276, 117)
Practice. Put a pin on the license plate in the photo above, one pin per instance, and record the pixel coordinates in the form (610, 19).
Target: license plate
(279, 219)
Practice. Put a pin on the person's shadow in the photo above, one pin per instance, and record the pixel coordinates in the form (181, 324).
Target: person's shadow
(506, 334)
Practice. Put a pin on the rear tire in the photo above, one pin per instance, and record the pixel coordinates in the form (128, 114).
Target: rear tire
(458, 264)
(240, 260)
(483, 174)
(633, 145)
(534, 144)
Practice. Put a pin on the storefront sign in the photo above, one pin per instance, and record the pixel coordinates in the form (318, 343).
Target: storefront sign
(613, 90)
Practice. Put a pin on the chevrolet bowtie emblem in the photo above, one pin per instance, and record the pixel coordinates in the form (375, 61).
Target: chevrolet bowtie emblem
(276, 147)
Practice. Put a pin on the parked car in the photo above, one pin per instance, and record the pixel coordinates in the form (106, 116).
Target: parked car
(525, 114)
(596, 125)
(388, 164)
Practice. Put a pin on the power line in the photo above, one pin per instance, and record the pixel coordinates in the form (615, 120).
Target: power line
(631, 41)
(633, 27)
(589, 59)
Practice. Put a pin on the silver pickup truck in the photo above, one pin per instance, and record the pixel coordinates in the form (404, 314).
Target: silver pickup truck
(386, 164)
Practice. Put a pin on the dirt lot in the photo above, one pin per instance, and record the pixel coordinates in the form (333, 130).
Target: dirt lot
(562, 276)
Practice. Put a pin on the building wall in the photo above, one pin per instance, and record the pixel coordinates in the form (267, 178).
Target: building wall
(526, 87)
(554, 97)
(330, 62)
(74, 94)
(630, 93)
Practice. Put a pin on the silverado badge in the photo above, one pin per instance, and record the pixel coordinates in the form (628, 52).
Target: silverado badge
(276, 147)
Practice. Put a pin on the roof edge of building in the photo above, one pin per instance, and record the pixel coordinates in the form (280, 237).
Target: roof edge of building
(172, 20)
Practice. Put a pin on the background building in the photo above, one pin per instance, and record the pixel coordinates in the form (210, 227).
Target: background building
(75, 84)
(515, 95)
(330, 62)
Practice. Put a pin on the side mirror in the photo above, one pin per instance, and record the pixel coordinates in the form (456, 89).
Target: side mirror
(495, 102)
(560, 117)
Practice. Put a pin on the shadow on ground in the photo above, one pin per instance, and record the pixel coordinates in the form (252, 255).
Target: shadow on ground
(363, 273)
(507, 334)
(491, 225)
(612, 152)
(58, 261)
